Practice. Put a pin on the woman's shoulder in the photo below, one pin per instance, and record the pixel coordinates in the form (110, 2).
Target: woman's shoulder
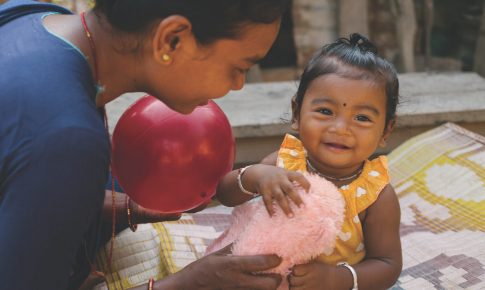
(28, 46)
(15, 9)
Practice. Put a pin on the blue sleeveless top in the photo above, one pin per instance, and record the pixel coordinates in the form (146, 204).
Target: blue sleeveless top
(54, 152)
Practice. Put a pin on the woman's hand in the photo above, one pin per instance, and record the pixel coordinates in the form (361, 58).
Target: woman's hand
(139, 214)
(316, 275)
(275, 184)
(142, 215)
(221, 270)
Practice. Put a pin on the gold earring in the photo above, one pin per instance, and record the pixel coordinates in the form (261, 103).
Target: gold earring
(165, 57)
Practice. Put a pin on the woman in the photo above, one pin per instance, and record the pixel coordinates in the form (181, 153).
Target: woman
(58, 70)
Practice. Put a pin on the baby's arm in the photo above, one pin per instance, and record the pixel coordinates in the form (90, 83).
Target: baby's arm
(265, 178)
(383, 262)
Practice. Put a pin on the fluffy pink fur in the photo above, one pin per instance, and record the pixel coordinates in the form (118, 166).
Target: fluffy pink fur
(311, 232)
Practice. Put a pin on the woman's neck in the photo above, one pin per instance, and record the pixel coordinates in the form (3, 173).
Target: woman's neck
(117, 71)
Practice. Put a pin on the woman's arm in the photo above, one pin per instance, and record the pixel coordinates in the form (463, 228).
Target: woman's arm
(139, 214)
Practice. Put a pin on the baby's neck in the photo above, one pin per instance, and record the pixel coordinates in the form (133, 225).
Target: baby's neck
(340, 180)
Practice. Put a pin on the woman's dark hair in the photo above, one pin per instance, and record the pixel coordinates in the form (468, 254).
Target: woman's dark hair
(354, 58)
(211, 19)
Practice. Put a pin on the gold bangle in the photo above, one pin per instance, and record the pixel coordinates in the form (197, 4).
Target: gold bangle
(132, 225)
(150, 284)
(239, 182)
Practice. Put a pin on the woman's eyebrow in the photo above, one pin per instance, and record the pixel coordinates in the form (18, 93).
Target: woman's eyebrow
(253, 59)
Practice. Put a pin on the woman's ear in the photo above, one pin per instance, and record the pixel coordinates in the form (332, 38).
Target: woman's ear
(387, 132)
(294, 115)
(172, 34)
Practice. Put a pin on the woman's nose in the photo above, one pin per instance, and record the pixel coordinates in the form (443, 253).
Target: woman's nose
(238, 82)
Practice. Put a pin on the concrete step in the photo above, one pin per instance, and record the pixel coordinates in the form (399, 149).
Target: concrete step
(260, 113)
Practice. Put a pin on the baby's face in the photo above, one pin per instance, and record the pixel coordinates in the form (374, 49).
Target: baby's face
(341, 122)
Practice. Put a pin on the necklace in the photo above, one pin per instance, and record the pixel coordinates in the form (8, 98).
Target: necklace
(92, 46)
(314, 170)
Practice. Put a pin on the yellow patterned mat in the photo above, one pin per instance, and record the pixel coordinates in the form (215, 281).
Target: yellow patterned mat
(440, 179)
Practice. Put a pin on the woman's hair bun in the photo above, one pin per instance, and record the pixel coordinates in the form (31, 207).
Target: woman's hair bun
(362, 42)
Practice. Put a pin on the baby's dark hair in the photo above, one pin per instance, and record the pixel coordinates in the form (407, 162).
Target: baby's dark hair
(211, 19)
(354, 58)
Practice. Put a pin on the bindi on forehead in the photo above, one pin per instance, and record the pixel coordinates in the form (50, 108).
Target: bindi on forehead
(345, 104)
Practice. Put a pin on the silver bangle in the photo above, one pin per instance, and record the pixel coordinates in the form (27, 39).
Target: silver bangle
(239, 182)
(352, 271)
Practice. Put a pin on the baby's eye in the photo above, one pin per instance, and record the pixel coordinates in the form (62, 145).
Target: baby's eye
(362, 118)
(325, 111)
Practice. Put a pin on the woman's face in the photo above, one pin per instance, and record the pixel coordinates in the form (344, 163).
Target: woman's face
(209, 72)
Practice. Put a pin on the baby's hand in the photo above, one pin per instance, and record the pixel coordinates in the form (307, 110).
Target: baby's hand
(313, 275)
(277, 184)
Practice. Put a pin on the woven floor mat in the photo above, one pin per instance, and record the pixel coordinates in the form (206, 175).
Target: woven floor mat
(440, 179)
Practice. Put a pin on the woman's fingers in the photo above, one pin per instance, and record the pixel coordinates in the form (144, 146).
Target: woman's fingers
(256, 263)
(295, 281)
(244, 268)
(221, 271)
(227, 250)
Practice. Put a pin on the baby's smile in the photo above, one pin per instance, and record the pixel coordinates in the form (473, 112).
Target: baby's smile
(335, 146)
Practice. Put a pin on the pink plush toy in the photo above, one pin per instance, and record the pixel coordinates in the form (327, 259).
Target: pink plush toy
(311, 232)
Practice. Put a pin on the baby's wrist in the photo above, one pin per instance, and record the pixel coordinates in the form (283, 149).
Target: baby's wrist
(347, 276)
(244, 184)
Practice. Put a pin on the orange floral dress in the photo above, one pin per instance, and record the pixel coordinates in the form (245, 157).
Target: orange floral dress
(358, 195)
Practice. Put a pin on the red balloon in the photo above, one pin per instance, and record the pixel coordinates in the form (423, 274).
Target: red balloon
(168, 161)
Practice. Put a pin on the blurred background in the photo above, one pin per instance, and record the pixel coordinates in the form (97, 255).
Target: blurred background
(416, 35)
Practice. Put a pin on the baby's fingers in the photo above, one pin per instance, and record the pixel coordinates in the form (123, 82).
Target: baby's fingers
(282, 200)
(268, 203)
(300, 179)
(292, 193)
